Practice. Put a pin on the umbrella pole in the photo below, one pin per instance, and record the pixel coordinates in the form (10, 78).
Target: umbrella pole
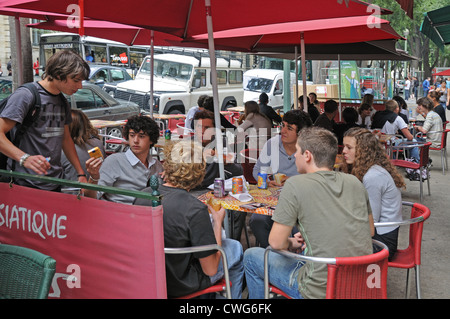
(212, 58)
(152, 66)
(296, 78)
(339, 77)
(302, 44)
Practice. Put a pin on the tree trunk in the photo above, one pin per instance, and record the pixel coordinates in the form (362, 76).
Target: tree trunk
(25, 50)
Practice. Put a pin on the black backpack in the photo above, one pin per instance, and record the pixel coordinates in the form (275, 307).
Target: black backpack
(29, 119)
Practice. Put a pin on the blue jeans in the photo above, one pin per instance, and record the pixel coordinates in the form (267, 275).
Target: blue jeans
(233, 250)
(283, 273)
(413, 152)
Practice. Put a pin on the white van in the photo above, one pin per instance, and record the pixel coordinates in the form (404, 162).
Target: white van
(271, 82)
(179, 80)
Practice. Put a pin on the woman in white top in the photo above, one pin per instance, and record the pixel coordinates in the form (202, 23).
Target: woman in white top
(364, 117)
(432, 126)
(366, 159)
(255, 123)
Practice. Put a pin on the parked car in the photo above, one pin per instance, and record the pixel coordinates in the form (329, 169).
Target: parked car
(99, 105)
(107, 77)
(399, 84)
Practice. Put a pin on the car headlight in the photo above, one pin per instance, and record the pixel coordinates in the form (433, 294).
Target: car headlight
(155, 104)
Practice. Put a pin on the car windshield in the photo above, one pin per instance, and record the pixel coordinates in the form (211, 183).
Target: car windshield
(258, 84)
(176, 70)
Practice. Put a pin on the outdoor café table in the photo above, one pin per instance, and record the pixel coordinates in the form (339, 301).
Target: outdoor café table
(239, 109)
(268, 197)
(103, 124)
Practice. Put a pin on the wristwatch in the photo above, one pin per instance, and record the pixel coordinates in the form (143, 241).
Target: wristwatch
(23, 159)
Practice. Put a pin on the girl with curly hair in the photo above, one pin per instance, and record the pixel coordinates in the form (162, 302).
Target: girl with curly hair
(365, 158)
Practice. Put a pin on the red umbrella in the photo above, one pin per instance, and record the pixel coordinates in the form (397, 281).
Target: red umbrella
(287, 35)
(442, 73)
(186, 18)
(129, 35)
(274, 37)
(32, 14)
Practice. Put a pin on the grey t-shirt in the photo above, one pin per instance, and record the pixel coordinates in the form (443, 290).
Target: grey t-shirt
(83, 155)
(124, 170)
(45, 136)
(385, 197)
(332, 211)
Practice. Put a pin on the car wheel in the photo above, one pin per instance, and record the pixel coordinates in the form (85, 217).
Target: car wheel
(116, 132)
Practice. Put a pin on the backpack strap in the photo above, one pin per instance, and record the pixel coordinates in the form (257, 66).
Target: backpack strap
(31, 116)
(35, 110)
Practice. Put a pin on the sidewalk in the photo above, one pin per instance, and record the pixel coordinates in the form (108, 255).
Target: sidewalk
(434, 274)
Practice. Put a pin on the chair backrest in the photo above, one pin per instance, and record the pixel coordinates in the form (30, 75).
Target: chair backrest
(361, 277)
(248, 160)
(195, 249)
(161, 125)
(444, 138)
(25, 273)
(424, 154)
(419, 214)
(416, 229)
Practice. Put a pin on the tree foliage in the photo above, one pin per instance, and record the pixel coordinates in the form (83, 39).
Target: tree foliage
(418, 44)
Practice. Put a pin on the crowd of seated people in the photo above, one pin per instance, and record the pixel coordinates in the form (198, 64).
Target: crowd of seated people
(304, 151)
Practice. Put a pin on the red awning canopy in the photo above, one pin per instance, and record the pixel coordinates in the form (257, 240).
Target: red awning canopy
(129, 35)
(32, 14)
(186, 18)
(323, 31)
(442, 73)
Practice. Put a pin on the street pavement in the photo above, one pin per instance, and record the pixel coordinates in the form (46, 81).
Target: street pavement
(434, 274)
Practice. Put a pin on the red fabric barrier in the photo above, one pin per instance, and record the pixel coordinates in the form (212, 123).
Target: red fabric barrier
(113, 250)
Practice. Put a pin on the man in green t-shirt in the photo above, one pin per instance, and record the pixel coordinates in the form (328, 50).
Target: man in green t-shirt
(332, 212)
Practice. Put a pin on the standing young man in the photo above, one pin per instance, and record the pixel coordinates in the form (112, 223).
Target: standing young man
(407, 88)
(39, 151)
(333, 214)
(129, 170)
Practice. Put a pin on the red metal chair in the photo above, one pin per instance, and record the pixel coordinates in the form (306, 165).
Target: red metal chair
(423, 162)
(348, 277)
(250, 157)
(443, 150)
(222, 286)
(410, 257)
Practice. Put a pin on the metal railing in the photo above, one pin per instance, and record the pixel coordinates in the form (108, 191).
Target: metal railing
(78, 185)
